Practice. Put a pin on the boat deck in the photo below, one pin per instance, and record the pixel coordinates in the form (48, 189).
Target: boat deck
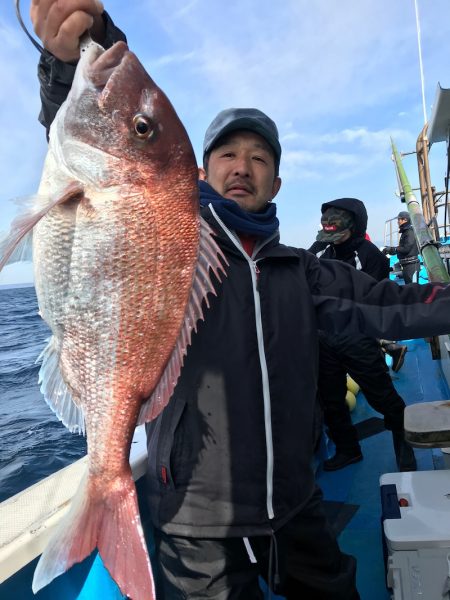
(352, 496)
(353, 493)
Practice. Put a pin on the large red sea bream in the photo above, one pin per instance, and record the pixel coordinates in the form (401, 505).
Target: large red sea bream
(121, 262)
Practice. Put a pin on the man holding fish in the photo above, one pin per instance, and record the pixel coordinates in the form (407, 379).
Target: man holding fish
(231, 488)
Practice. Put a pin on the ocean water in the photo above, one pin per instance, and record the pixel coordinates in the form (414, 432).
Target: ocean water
(33, 442)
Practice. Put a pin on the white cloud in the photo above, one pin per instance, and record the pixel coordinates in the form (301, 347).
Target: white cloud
(169, 59)
(187, 8)
(370, 142)
(341, 155)
(287, 137)
(299, 165)
(298, 55)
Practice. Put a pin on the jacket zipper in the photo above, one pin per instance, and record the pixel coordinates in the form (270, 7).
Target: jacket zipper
(254, 271)
(257, 272)
(266, 392)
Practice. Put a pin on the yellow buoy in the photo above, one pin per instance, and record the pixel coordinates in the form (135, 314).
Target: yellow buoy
(350, 398)
(352, 385)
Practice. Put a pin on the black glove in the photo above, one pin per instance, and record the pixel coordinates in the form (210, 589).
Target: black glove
(388, 250)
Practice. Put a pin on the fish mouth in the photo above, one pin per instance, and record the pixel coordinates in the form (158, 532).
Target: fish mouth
(103, 66)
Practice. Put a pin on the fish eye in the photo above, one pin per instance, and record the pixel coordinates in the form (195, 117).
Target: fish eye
(143, 126)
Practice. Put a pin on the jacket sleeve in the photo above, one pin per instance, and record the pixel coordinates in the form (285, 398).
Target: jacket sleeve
(377, 264)
(55, 77)
(350, 300)
(318, 247)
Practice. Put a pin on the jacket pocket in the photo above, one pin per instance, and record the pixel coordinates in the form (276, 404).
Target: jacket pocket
(160, 440)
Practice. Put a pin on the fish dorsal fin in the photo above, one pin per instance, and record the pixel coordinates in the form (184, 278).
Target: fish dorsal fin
(16, 245)
(208, 259)
(55, 391)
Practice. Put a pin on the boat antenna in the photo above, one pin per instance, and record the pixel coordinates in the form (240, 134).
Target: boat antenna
(22, 24)
(420, 63)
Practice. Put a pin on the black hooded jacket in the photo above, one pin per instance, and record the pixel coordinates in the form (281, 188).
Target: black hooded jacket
(357, 250)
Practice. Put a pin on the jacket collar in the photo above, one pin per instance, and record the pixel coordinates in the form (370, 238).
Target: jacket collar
(269, 247)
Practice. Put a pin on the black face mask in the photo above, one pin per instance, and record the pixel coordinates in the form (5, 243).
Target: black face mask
(336, 222)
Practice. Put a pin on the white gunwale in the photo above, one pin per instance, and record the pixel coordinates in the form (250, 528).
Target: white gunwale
(28, 518)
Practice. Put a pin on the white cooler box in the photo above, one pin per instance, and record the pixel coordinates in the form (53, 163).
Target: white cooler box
(416, 528)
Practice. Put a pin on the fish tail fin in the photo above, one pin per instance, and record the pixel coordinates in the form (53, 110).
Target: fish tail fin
(112, 524)
(123, 548)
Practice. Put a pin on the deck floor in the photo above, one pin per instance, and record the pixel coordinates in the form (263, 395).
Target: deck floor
(419, 380)
(351, 495)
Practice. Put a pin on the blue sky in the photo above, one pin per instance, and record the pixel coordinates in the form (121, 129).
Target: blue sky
(338, 78)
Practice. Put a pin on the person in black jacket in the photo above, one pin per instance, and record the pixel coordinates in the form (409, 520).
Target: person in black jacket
(407, 250)
(230, 483)
(342, 237)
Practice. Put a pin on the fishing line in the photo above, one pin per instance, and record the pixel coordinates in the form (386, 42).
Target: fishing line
(22, 24)
(420, 62)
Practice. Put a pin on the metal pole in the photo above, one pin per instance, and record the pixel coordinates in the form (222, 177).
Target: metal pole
(426, 189)
(428, 247)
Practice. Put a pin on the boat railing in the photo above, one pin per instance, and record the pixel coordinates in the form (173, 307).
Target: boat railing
(28, 518)
(391, 232)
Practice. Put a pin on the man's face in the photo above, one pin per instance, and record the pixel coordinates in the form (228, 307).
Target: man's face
(401, 222)
(242, 168)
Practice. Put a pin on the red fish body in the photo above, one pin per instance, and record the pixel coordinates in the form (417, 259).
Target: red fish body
(120, 256)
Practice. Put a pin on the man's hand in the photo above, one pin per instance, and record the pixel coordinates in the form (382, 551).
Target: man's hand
(388, 250)
(59, 24)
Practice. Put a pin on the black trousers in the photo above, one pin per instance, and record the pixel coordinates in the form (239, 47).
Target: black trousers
(408, 271)
(303, 556)
(363, 359)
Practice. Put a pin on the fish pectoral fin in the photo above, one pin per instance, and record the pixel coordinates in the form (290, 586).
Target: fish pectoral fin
(16, 245)
(210, 259)
(56, 392)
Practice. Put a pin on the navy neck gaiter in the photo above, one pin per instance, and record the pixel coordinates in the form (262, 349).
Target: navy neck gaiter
(262, 224)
